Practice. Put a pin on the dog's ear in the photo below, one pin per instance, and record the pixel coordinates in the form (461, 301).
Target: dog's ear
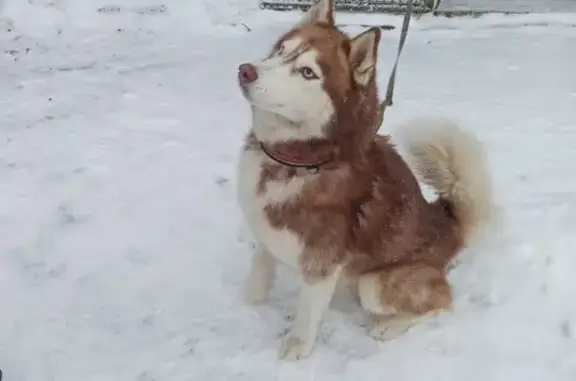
(321, 12)
(364, 55)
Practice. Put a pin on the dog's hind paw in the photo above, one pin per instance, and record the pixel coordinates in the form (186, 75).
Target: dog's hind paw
(387, 332)
(391, 328)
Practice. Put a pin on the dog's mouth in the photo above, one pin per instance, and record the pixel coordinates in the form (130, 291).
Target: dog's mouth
(269, 107)
(245, 91)
(253, 92)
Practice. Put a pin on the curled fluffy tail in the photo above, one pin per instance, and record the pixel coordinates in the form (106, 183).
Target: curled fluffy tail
(453, 162)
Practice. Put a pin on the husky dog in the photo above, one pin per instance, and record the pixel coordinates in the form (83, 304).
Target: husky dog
(327, 196)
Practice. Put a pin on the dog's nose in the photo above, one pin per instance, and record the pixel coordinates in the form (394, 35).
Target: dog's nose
(247, 73)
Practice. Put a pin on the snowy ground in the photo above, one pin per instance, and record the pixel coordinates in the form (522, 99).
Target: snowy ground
(122, 251)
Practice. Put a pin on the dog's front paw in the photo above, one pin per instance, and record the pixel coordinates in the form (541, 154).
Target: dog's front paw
(294, 348)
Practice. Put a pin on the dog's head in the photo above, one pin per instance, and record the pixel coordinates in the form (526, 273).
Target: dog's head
(316, 82)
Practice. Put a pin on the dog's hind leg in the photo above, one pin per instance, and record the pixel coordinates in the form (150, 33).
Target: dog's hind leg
(261, 277)
(402, 297)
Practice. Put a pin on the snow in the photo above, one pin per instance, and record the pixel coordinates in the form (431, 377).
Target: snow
(122, 250)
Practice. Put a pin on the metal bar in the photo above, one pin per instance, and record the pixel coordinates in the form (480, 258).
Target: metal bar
(387, 6)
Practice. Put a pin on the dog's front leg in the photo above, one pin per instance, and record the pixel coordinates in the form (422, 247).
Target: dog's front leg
(261, 277)
(313, 300)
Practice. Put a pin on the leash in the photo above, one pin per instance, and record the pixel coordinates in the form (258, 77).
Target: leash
(388, 100)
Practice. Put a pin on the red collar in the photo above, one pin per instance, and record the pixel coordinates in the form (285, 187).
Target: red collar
(291, 160)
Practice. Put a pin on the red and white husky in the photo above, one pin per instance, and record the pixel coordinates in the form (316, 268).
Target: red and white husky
(324, 194)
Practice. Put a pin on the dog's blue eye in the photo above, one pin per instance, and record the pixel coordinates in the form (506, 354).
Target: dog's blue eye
(308, 73)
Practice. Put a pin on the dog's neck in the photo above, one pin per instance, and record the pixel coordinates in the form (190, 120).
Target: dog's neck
(284, 142)
(272, 128)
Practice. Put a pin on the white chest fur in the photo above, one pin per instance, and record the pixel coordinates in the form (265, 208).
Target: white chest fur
(283, 244)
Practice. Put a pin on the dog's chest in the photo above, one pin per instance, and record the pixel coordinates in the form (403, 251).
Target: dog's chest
(282, 243)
